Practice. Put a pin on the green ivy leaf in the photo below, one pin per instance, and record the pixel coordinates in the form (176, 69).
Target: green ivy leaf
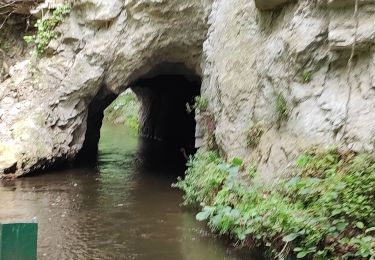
(367, 239)
(301, 254)
(370, 230)
(336, 212)
(201, 216)
(237, 161)
(303, 160)
(290, 237)
(341, 226)
(360, 225)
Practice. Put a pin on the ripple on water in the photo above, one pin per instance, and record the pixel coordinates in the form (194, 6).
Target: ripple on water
(113, 211)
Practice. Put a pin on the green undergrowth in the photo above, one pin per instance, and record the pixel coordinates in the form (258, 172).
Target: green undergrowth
(45, 28)
(324, 210)
(124, 110)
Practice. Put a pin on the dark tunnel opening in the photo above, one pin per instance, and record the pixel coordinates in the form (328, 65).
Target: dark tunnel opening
(89, 151)
(167, 136)
(167, 122)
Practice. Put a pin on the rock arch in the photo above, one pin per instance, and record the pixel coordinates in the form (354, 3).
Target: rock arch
(255, 53)
(103, 47)
(166, 124)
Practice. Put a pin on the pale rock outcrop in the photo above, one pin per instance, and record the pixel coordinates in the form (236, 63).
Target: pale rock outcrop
(343, 31)
(43, 105)
(297, 56)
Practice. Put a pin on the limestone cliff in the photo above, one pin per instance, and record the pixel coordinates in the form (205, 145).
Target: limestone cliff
(276, 76)
(103, 45)
(283, 76)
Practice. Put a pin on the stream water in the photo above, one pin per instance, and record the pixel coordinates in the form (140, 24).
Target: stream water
(114, 211)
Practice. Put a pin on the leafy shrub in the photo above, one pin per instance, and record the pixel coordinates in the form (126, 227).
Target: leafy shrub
(204, 178)
(324, 211)
(45, 28)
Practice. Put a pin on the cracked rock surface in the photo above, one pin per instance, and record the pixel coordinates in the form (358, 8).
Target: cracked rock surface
(44, 102)
(299, 54)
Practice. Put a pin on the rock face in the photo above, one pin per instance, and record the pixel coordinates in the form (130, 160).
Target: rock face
(277, 81)
(285, 73)
(103, 45)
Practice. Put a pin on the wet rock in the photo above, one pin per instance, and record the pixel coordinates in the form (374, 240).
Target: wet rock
(11, 169)
(301, 54)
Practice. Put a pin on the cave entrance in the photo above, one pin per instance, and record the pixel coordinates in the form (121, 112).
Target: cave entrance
(166, 118)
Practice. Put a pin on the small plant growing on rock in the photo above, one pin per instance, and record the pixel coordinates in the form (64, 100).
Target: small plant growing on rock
(124, 110)
(45, 28)
(254, 135)
(306, 76)
(281, 108)
(201, 103)
(323, 210)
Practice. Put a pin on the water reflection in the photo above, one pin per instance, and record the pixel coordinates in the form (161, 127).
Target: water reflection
(113, 212)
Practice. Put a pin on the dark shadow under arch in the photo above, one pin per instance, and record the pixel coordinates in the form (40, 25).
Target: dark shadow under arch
(167, 134)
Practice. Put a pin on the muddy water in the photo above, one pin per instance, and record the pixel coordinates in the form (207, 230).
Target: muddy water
(115, 211)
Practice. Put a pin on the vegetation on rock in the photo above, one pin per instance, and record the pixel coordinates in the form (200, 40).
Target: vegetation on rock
(45, 28)
(323, 210)
(306, 76)
(254, 135)
(124, 110)
(201, 103)
(281, 109)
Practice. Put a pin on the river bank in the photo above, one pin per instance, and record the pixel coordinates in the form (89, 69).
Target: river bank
(322, 209)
